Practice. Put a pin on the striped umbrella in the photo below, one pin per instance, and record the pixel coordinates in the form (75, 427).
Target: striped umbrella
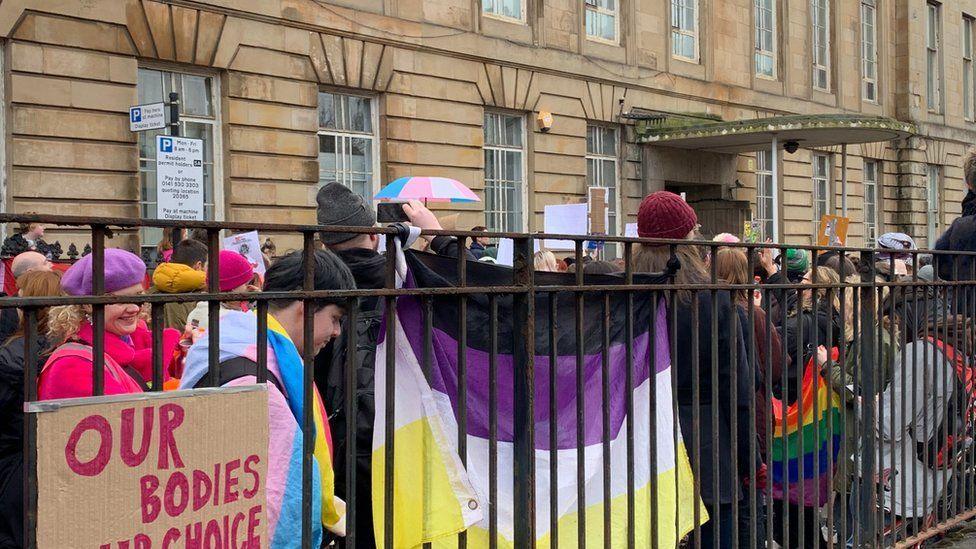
(427, 189)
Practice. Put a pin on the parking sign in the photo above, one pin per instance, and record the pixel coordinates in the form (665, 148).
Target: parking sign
(179, 178)
(147, 117)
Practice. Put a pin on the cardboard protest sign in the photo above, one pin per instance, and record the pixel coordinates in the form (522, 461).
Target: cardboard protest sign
(248, 245)
(599, 201)
(153, 470)
(832, 230)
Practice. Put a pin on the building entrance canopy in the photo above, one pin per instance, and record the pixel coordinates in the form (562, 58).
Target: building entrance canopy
(772, 134)
(742, 136)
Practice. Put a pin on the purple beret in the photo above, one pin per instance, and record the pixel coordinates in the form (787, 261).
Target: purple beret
(122, 270)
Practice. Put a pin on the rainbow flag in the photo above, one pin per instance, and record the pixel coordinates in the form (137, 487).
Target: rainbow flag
(810, 436)
(436, 495)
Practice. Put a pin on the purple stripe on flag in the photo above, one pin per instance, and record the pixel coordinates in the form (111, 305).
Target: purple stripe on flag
(443, 378)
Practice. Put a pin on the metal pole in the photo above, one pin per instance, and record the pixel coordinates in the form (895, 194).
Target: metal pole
(174, 114)
(843, 179)
(775, 212)
(867, 501)
(524, 387)
(174, 130)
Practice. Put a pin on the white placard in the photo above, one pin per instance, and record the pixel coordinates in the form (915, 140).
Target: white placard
(151, 116)
(565, 219)
(179, 178)
(630, 230)
(506, 251)
(248, 245)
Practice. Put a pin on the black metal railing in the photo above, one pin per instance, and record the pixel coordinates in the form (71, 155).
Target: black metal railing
(859, 488)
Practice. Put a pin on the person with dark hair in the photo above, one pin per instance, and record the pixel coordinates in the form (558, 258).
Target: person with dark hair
(186, 272)
(666, 215)
(787, 268)
(479, 244)
(287, 348)
(12, 362)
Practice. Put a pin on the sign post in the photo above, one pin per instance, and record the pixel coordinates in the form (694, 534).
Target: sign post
(179, 178)
(153, 470)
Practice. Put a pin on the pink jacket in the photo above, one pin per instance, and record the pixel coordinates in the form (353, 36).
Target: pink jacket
(68, 372)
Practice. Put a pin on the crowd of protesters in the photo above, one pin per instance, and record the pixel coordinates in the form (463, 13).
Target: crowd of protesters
(765, 338)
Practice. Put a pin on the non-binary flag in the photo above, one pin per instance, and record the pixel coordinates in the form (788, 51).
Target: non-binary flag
(436, 495)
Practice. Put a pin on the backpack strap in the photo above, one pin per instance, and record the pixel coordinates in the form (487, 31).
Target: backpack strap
(236, 368)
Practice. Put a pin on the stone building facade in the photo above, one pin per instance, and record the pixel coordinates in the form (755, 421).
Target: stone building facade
(288, 93)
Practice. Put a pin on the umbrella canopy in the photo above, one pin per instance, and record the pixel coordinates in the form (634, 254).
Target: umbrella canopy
(428, 189)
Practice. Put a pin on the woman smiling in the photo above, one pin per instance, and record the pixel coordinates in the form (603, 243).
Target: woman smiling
(128, 357)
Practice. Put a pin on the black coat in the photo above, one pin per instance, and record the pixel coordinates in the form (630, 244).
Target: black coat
(959, 237)
(805, 331)
(9, 321)
(12, 440)
(731, 399)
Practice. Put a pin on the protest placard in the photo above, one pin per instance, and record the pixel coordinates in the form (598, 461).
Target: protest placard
(832, 230)
(249, 245)
(152, 470)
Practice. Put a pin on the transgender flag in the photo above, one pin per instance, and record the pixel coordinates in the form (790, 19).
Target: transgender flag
(435, 496)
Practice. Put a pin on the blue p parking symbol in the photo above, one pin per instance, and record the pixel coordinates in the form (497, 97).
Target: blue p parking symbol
(135, 115)
(166, 145)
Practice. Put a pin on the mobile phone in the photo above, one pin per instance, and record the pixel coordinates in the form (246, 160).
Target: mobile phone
(390, 212)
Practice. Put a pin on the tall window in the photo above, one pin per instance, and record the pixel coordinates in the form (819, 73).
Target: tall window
(872, 174)
(820, 18)
(933, 74)
(821, 186)
(869, 50)
(198, 119)
(765, 202)
(347, 142)
(967, 67)
(601, 19)
(601, 168)
(504, 171)
(765, 38)
(684, 29)
(509, 9)
(932, 205)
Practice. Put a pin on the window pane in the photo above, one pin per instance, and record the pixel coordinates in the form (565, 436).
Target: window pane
(150, 85)
(359, 114)
(328, 159)
(327, 110)
(196, 96)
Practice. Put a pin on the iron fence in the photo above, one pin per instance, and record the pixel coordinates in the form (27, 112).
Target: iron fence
(514, 327)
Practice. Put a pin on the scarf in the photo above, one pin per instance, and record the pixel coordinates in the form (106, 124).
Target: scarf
(291, 368)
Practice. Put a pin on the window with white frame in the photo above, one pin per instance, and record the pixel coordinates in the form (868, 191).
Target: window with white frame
(504, 171)
(765, 201)
(601, 19)
(601, 168)
(765, 14)
(933, 73)
(820, 27)
(684, 29)
(869, 50)
(509, 9)
(347, 142)
(821, 186)
(968, 97)
(932, 205)
(198, 119)
(872, 178)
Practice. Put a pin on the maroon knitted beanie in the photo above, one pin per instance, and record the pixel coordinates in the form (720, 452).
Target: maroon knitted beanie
(665, 215)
